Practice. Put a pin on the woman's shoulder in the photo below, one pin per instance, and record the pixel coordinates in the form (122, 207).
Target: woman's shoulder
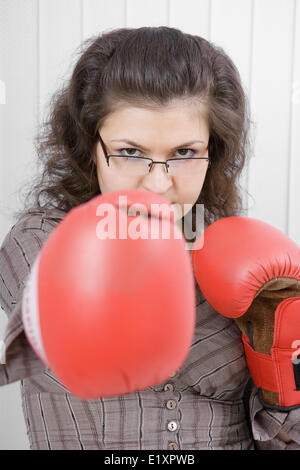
(32, 225)
(42, 213)
(38, 219)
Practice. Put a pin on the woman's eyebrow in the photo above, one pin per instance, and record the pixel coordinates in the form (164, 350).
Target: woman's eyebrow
(135, 144)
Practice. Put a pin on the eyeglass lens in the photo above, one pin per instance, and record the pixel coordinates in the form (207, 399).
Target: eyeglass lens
(136, 166)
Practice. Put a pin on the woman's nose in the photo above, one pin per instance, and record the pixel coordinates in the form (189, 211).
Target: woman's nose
(158, 180)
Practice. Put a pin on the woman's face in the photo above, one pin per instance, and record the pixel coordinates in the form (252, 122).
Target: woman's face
(159, 134)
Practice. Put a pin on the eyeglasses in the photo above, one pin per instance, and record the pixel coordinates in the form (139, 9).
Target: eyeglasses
(139, 166)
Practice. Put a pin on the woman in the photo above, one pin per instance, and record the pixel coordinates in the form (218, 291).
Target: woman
(152, 92)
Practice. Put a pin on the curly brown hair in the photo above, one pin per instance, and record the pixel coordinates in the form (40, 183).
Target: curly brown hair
(141, 66)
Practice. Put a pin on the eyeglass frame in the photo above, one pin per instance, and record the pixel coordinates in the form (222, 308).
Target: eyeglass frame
(107, 157)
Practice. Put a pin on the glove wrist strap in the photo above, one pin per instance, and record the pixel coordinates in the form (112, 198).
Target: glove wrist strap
(278, 372)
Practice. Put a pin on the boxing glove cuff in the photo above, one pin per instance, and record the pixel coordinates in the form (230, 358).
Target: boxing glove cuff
(279, 372)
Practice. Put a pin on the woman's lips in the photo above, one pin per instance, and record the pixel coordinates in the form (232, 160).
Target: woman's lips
(136, 210)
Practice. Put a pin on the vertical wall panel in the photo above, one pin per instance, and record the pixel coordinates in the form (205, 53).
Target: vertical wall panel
(18, 121)
(101, 15)
(60, 33)
(231, 28)
(146, 13)
(192, 17)
(294, 174)
(271, 82)
(18, 116)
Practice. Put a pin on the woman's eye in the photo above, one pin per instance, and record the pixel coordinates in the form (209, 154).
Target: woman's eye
(130, 152)
(186, 150)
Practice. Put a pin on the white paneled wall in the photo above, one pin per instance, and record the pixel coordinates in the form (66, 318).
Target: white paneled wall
(102, 15)
(293, 193)
(18, 117)
(146, 13)
(271, 83)
(59, 32)
(39, 43)
(235, 36)
(192, 16)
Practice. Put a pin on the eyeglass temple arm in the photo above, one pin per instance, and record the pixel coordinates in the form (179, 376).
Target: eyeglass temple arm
(103, 147)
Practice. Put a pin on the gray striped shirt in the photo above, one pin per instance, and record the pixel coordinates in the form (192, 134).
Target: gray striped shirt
(207, 404)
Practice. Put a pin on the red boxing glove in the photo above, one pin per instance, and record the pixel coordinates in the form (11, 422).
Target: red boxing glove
(111, 313)
(250, 271)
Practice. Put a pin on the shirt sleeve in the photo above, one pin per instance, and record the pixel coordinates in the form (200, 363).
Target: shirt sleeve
(17, 255)
(266, 424)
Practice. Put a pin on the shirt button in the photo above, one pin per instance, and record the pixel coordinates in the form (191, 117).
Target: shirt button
(172, 425)
(169, 388)
(171, 404)
(173, 446)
